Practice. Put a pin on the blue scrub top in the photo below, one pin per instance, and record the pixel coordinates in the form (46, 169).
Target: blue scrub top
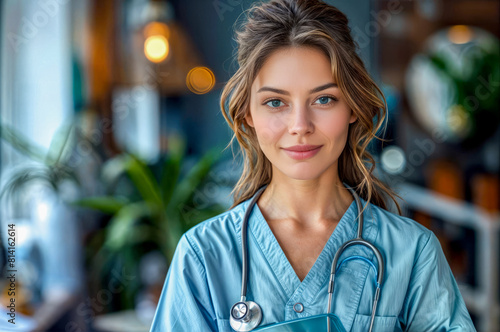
(419, 292)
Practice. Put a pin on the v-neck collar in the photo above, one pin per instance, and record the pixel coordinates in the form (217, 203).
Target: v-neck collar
(316, 281)
(280, 264)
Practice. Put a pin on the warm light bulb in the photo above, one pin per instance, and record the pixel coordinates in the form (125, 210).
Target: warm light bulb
(200, 80)
(460, 34)
(156, 48)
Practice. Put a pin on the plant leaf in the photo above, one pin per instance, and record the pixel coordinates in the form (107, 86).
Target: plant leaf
(143, 179)
(170, 174)
(106, 204)
(24, 175)
(113, 168)
(122, 224)
(22, 143)
(58, 150)
(186, 188)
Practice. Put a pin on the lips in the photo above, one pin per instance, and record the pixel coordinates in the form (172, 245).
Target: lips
(301, 152)
(302, 148)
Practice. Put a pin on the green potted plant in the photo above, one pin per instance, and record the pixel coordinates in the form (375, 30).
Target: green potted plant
(150, 208)
(50, 166)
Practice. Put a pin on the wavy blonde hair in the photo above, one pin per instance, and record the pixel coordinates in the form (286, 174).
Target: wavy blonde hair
(311, 23)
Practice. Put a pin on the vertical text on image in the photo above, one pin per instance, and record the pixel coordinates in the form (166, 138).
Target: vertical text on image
(11, 272)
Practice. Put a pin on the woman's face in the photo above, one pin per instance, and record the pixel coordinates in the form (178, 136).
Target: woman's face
(295, 101)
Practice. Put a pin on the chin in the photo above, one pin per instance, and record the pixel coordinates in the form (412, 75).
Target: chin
(301, 172)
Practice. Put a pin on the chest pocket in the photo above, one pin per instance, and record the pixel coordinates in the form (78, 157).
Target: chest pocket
(380, 323)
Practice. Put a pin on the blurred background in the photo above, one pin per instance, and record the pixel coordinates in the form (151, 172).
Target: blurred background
(113, 144)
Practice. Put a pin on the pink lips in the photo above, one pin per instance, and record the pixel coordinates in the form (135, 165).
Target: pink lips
(300, 152)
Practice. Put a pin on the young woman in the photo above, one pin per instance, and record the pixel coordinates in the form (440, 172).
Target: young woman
(302, 107)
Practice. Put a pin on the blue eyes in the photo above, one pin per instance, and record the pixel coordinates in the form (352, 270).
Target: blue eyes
(325, 100)
(274, 103)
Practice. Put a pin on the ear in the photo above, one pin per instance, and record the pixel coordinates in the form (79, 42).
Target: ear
(248, 118)
(353, 118)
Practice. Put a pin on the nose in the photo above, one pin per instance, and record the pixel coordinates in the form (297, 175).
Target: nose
(300, 121)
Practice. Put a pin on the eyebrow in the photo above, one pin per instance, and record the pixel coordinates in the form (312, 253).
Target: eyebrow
(283, 92)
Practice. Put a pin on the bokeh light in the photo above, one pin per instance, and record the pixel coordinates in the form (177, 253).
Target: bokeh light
(200, 80)
(460, 34)
(157, 29)
(459, 120)
(156, 48)
(393, 159)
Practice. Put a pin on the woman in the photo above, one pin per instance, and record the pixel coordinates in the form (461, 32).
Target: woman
(301, 86)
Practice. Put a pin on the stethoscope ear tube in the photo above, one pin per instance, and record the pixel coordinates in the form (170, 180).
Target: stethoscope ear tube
(246, 315)
(244, 249)
(358, 241)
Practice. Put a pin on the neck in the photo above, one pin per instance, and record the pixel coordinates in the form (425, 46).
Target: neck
(310, 203)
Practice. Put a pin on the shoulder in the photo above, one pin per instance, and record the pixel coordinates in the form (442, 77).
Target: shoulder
(220, 231)
(414, 262)
(401, 232)
(394, 223)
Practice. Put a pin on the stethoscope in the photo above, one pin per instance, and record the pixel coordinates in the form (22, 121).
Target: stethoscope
(247, 315)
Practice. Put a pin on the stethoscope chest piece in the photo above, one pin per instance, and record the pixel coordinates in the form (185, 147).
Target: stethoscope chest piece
(245, 316)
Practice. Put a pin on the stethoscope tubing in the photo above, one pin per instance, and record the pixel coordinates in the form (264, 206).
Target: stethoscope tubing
(244, 248)
(357, 241)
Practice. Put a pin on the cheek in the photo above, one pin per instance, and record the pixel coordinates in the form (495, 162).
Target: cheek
(335, 123)
(269, 128)
(336, 128)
